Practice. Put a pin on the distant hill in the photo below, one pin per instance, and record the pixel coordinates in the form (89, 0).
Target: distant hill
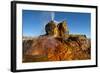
(28, 38)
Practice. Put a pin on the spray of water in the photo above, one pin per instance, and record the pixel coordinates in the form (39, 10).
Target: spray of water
(52, 16)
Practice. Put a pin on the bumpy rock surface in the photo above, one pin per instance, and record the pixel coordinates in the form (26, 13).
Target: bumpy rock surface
(50, 28)
(62, 29)
(49, 48)
(56, 45)
(57, 30)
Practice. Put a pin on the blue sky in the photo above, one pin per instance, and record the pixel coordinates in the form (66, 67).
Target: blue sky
(34, 22)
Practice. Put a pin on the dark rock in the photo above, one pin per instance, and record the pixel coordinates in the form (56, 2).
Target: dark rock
(63, 29)
(50, 28)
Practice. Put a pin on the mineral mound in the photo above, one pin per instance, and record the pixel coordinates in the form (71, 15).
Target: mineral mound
(56, 45)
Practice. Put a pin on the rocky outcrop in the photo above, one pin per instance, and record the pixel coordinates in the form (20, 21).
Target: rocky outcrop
(63, 29)
(49, 48)
(56, 45)
(57, 30)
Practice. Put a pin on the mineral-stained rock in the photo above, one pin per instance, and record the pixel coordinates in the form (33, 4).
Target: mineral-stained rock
(63, 29)
(51, 28)
(26, 45)
(48, 48)
(60, 30)
(82, 40)
(56, 45)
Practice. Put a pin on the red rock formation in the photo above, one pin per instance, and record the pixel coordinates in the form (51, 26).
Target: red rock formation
(62, 47)
(54, 50)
